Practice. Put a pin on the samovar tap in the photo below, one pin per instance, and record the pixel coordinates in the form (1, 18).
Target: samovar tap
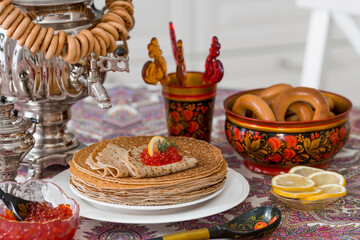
(95, 87)
(92, 80)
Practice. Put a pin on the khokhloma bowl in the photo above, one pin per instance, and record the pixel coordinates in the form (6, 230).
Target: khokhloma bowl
(273, 147)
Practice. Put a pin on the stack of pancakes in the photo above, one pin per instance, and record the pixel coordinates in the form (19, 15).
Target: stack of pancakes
(105, 172)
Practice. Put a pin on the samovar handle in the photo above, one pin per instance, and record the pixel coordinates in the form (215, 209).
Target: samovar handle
(35, 122)
(118, 56)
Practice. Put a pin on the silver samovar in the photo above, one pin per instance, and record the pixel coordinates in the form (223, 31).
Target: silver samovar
(46, 89)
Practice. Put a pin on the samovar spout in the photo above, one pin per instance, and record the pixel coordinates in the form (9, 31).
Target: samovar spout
(95, 87)
(100, 94)
(92, 79)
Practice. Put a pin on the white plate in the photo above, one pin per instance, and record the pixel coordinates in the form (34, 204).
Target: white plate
(235, 192)
(144, 208)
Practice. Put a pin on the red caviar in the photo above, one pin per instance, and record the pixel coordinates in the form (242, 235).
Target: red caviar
(42, 212)
(59, 223)
(171, 155)
(8, 215)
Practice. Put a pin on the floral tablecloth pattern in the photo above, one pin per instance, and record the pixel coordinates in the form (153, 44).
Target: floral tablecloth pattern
(141, 112)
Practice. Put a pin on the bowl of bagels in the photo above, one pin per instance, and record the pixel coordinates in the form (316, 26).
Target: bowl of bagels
(281, 126)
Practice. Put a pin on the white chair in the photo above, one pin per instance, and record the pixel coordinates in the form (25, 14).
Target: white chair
(322, 12)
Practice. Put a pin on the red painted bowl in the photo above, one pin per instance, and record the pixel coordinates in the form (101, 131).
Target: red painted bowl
(272, 147)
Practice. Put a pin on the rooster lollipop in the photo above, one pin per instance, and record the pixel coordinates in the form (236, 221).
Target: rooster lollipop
(154, 72)
(214, 70)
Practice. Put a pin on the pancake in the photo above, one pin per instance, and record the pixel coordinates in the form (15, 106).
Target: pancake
(206, 175)
(143, 186)
(142, 199)
(209, 159)
(149, 195)
(106, 159)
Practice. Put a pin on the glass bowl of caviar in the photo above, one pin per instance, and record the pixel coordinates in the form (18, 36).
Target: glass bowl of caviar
(52, 215)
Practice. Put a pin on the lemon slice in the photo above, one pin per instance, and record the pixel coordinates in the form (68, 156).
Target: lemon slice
(308, 193)
(304, 170)
(327, 177)
(328, 191)
(292, 182)
(152, 147)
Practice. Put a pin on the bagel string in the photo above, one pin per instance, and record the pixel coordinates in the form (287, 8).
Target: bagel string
(114, 26)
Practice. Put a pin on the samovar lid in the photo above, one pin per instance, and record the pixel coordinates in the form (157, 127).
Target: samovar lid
(67, 15)
(11, 123)
(46, 2)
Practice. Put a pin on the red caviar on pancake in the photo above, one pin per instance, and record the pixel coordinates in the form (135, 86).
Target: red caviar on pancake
(166, 153)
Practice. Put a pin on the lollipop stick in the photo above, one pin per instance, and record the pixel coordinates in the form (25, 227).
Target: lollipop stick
(181, 74)
(173, 40)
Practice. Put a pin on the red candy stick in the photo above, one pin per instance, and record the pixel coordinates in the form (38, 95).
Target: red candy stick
(214, 70)
(173, 40)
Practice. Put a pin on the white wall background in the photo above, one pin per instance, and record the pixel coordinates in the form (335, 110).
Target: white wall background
(263, 42)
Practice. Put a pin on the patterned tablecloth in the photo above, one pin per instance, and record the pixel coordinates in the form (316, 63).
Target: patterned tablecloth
(141, 112)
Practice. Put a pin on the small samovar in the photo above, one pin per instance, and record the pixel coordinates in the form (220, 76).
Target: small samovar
(47, 88)
(15, 139)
